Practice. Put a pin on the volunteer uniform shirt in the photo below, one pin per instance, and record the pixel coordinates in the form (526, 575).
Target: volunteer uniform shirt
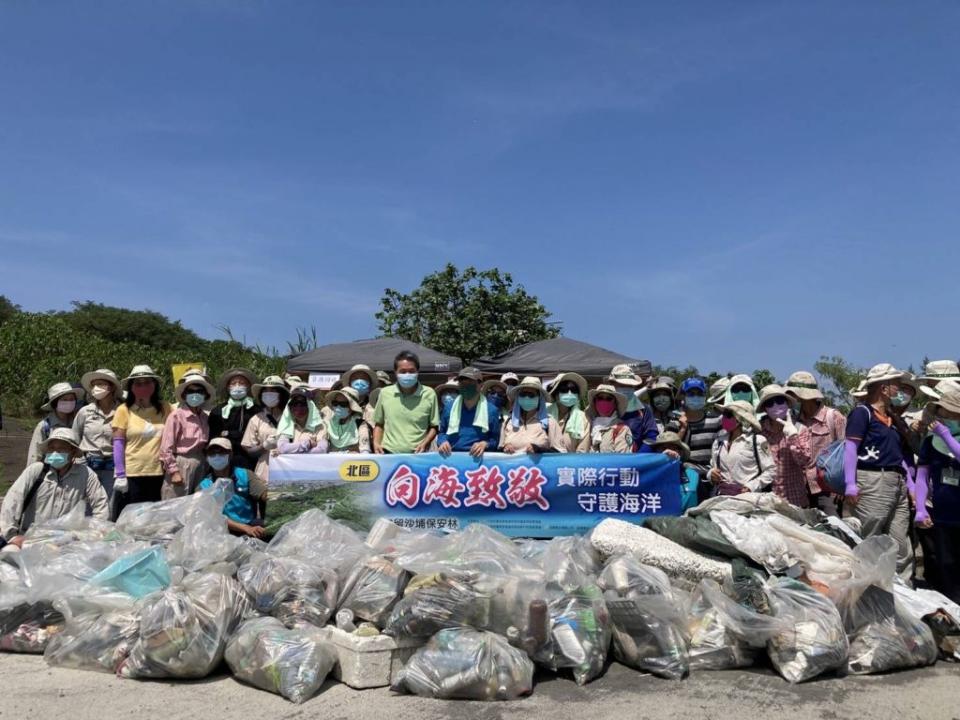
(92, 426)
(945, 479)
(406, 418)
(144, 428)
(878, 441)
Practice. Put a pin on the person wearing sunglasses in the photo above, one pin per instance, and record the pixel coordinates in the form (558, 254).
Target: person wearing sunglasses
(608, 431)
(470, 424)
(495, 392)
(346, 430)
(301, 428)
(530, 429)
(789, 444)
(741, 460)
(569, 395)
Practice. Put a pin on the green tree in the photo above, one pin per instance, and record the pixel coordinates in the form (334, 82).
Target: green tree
(467, 314)
(762, 378)
(8, 309)
(145, 327)
(842, 377)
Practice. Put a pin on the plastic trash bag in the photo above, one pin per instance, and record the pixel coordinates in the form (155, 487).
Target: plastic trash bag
(100, 631)
(372, 589)
(939, 613)
(184, 629)
(26, 625)
(892, 639)
(647, 619)
(137, 574)
(440, 601)
(711, 644)
(73, 527)
(292, 590)
(160, 521)
(316, 538)
(204, 539)
(51, 570)
(292, 663)
(699, 534)
(463, 663)
(815, 641)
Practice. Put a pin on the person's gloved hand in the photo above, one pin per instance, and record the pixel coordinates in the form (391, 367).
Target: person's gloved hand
(789, 429)
(121, 484)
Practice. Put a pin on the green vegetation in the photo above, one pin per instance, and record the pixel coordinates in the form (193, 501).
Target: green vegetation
(338, 501)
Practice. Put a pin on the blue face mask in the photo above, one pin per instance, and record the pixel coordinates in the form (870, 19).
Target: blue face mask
(56, 460)
(195, 400)
(219, 461)
(361, 386)
(900, 399)
(496, 399)
(238, 392)
(528, 403)
(447, 400)
(695, 402)
(569, 399)
(340, 412)
(407, 380)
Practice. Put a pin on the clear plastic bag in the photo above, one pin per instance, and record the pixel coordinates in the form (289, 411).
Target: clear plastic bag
(889, 638)
(316, 538)
(204, 539)
(73, 527)
(184, 629)
(100, 631)
(51, 570)
(138, 574)
(290, 662)
(463, 663)
(646, 618)
(372, 589)
(815, 642)
(712, 645)
(292, 590)
(752, 536)
(160, 521)
(439, 601)
(26, 625)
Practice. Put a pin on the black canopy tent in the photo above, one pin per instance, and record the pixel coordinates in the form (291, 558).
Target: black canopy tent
(377, 353)
(546, 357)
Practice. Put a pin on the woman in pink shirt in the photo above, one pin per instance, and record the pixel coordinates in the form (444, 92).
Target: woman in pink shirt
(185, 435)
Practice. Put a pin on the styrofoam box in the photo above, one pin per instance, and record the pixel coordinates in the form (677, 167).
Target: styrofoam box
(367, 662)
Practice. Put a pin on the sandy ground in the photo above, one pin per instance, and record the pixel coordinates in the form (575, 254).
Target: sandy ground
(29, 689)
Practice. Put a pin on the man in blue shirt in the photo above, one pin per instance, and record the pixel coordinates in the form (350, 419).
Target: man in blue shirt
(471, 424)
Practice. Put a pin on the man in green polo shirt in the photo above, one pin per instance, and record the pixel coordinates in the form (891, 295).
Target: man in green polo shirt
(407, 415)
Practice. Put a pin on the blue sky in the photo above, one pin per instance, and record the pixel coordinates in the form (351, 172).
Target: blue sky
(730, 184)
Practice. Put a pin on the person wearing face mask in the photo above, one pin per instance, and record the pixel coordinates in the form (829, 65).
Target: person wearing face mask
(63, 401)
(569, 395)
(185, 435)
(471, 423)
(260, 437)
(661, 396)
(789, 444)
(231, 417)
(407, 414)
(363, 380)
(638, 417)
(825, 426)
(698, 429)
(447, 393)
(875, 472)
(741, 460)
(496, 394)
(92, 423)
(137, 428)
(346, 430)
(51, 488)
(741, 388)
(301, 428)
(530, 429)
(244, 509)
(608, 432)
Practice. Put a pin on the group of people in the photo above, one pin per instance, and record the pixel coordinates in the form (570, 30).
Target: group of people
(127, 444)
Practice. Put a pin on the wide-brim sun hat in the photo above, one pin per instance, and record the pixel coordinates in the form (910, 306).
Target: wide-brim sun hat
(944, 386)
(910, 380)
(769, 392)
(348, 394)
(493, 383)
(744, 412)
(528, 383)
(668, 438)
(196, 379)
(623, 375)
(949, 401)
(141, 372)
(63, 434)
(274, 382)
(575, 378)
(107, 376)
(451, 385)
(718, 390)
(299, 388)
(349, 376)
(661, 383)
(804, 386)
(605, 389)
(58, 390)
(224, 380)
(937, 370)
(883, 372)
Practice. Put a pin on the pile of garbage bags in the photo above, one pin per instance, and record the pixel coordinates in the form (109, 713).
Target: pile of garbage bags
(168, 592)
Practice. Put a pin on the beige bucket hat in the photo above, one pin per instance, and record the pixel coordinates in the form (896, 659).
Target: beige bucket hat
(350, 374)
(529, 383)
(804, 386)
(667, 438)
(718, 390)
(884, 372)
(107, 376)
(606, 389)
(768, 392)
(64, 434)
(58, 390)
(224, 380)
(949, 401)
(944, 386)
(345, 393)
(937, 370)
(624, 375)
(139, 372)
(744, 412)
(274, 382)
(196, 378)
(573, 377)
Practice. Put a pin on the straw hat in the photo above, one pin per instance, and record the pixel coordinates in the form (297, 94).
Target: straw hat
(670, 438)
(944, 386)
(937, 370)
(624, 375)
(772, 391)
(61, 433)
(573, 377)
(349, 375)
(102, 374)
(348, 394)
(493, 383)
(528, 383)
(57, 391)
(803, 385)
(884, 372)
(949, 401)
(196, 378)
(743, 411)
(608, 390)
(225, 379)
(718, 390)
(270, 381)
(219, 442)
(139, 372)
(663, 382)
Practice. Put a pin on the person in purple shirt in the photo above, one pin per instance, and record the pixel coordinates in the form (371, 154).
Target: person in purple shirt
(471, 423)
(638, 417)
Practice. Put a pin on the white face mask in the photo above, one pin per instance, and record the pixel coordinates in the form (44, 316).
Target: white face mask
(99, 392)
(270, 399)
(65, 407)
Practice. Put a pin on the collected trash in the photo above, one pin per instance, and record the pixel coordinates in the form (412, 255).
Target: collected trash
(100, 630)
(463, 663)
(268, 655)
(372, 588)
(292, 590)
